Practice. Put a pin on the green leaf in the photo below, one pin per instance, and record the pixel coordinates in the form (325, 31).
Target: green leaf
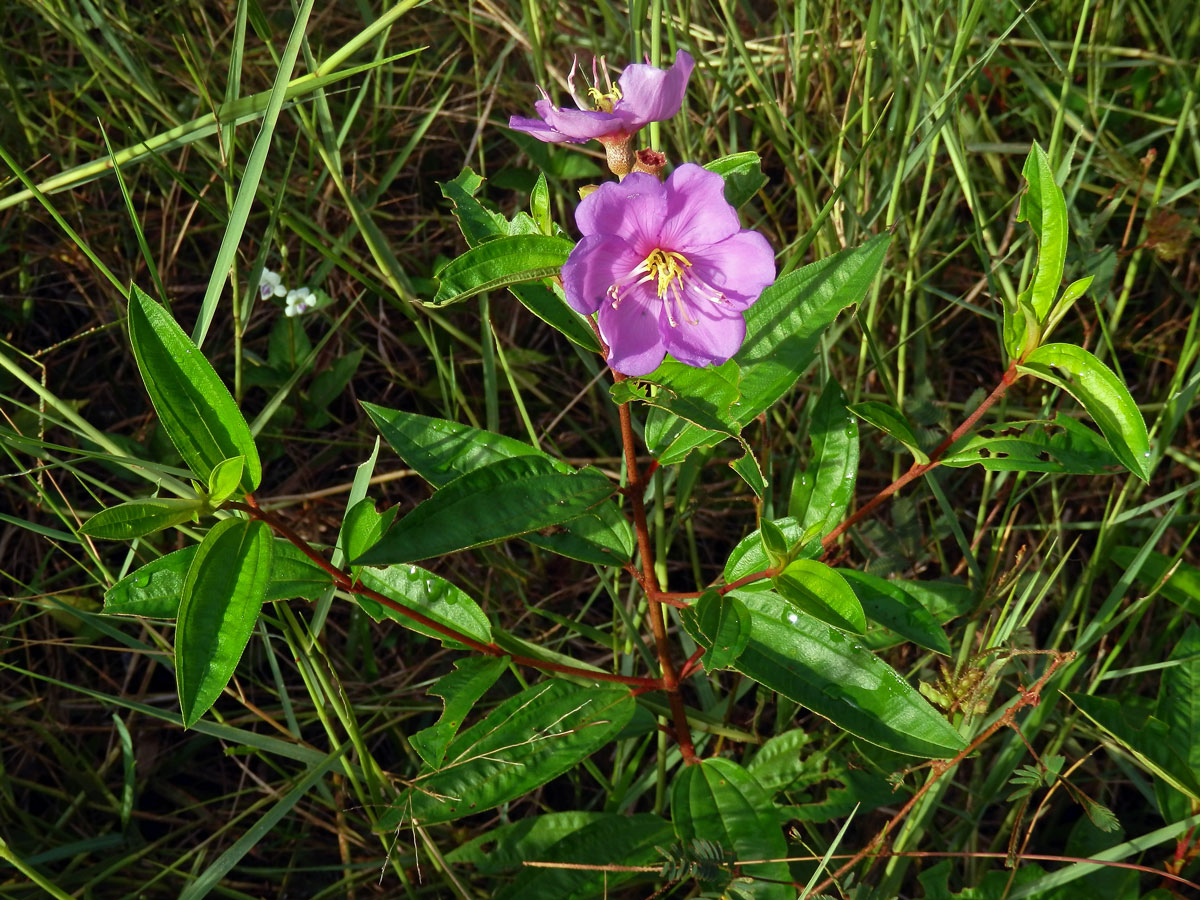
(1074, 291)
(471, 678)
(695, 407)
(477, 223)
(1043, 207)
(195, 408)
(611, 839)
(135, 518)
(441, 451)
(749, 556)
(821, 592)
(1104, 397)
(717, 800)
(774, 543)
(890, 421)
(1180, 582)
(1064, 446)
(551, 307)
(887, 603)
(503, 499)
(429, 594)
(783, 329)
(743, 176)
(824, 670)
(363, 527)
(507, 846)
(223, 593)
(499, 263)
(822, 491)
(539, 205)
(1179, 708)
(224, 479)
(725, 624)
(526, 741)
(1146, 738)
(154, 590)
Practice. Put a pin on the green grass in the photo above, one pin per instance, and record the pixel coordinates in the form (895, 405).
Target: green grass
(868, 116)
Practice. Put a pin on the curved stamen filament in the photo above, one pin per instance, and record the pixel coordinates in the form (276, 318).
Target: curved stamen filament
(674, 283)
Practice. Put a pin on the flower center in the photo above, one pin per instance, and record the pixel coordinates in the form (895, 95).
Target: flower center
(674, 283)
(604, 102)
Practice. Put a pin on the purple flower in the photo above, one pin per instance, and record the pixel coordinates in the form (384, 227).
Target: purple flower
(668, 267)
(642, 94)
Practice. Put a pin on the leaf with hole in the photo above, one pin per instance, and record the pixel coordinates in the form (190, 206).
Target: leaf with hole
(1063, 446)
(194, 406)
(223, 592)
(525, 742)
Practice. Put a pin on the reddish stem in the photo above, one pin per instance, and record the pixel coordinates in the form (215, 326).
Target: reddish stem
(635, 490)
(342, 580)
(919, 469)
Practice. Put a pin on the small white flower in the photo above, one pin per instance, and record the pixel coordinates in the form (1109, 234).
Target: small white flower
(269, 285)
(299, 301)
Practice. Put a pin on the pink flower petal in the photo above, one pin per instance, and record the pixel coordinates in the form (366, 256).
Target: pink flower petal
(597, 263)
(650, 94)
(740, 267)
(697, 212)
(633, 208)
(632, 332)
(714, 335)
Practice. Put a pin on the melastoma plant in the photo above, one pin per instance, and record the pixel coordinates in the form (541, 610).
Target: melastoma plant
(682, 302)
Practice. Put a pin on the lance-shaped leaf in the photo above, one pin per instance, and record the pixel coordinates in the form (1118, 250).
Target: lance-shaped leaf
(526, 741)
(613, 839)
(223, 593)
(1043, 207)
(196, 409)
(501, 500)
(460, 689)
(135, 518)
(224, 479)
(499, 263)
(822, 592)
(1063, 445)
(1104, 397)
(720, 801)
(826, 671)
(154, 590)
(823, 489)
(750, 555)
(725, 624)
(429, 594)
(1146, 738)
(887, 603)
(892, 422)
(440, 451)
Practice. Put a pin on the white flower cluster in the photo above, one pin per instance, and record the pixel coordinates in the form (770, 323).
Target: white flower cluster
(299, 300)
